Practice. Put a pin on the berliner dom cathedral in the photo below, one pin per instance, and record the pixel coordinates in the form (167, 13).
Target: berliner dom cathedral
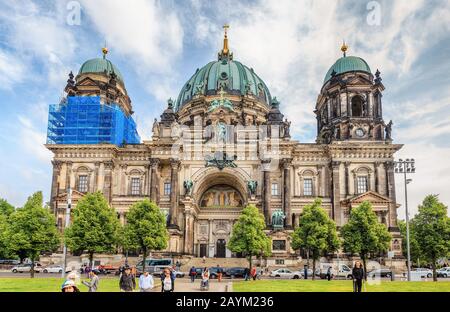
(224, 143)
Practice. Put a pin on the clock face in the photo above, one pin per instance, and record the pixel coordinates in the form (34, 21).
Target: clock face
(359, 132)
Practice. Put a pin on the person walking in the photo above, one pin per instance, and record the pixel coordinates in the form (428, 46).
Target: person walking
(358, 275)
(167, 281)
(192, 274)
(204, 259)
(247, 274)
(219, 273)
(329, 274)
(93, 283)
(305, 271)
(178, 265)
(127, 281)
(146, 282)
(253, 273)
(205, 279)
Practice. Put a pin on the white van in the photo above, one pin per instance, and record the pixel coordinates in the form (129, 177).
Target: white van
(341, 270)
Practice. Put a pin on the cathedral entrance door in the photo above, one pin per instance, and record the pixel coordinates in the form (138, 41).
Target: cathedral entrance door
(220, 248)
(203, 250)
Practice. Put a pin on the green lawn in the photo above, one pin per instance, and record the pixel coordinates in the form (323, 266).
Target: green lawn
(336, 286)
(27, 284)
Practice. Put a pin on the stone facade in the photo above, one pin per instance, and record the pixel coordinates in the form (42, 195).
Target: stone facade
(203, 195)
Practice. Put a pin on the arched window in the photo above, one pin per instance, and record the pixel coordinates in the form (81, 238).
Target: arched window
(357, 106)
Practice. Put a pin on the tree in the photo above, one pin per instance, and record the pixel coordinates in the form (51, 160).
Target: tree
(432, 227)
(5, 211)
(248, 234)
(32, 230)
(145, 228)
(413, 241)
(316, 232)
(94, 227)
(363, 234)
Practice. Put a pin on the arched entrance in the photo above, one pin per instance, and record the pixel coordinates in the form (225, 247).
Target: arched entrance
(220, 201)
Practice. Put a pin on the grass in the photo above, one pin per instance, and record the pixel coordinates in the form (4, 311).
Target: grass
(53, 284)
(336, 286)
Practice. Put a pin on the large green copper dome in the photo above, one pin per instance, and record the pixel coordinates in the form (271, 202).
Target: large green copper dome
(100, 65)
(233, 76)
(348, 64)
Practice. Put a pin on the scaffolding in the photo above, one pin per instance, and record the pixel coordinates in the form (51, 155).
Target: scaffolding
(85, 120)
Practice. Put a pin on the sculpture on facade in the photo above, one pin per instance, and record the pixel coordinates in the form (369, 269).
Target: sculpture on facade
(199, 88)
(278, 219)
(188, 185)
(252, 187)
(155, 128)
(388, 130)
(220, 160)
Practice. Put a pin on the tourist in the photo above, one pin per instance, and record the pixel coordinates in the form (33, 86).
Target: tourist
(167, 281)
(219, 273)
(329, 273)
(253, 273)
(146, 282)
(247, 274)
(93, 284)
(69, 286)
(305, 271)
(358, 275)
(178, 265)
(204, 259)
(205, 278)
(192, 274)
(127, 281)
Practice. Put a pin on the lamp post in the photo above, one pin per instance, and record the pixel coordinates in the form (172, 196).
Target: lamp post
(69, 205)
(406, 166)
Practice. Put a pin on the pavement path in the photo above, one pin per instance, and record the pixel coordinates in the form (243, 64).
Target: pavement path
(185, 285)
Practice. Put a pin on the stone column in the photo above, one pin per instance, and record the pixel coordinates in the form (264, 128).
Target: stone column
(287, 191)
(107, 185)
(266, 190)
(347, 178)
(147, 178)
(175, 165)
(96, 170)
(68, 174)
(55, 185)
(377, 179)
(154, 181)
(188, 232)
(336, 193)
(390, 185)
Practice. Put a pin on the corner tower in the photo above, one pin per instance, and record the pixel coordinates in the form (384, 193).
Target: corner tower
(349, 104)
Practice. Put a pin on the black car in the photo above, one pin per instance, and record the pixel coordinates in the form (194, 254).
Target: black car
(380, 272)
(235, 272)
(213, 272)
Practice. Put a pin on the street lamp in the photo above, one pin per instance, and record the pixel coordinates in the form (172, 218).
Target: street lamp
(406, 166)
(69, 205)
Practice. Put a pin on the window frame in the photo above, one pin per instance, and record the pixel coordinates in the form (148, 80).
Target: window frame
(133, 190)
(83, 183)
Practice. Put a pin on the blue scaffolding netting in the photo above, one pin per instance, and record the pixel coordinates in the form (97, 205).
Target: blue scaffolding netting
(85, 120)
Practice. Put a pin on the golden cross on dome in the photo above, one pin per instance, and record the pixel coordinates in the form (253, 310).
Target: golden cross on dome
(225, 40)
(344, 48)
(104, 50)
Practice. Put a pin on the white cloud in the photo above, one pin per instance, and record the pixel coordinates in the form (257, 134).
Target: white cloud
(32, 140)
(12, 70)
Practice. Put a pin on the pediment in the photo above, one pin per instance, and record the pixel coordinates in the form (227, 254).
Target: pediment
(76, 195)
(358, 80)
(87, 82)
(370, 196)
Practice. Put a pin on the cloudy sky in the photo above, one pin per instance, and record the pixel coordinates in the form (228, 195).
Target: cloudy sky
(290, 44)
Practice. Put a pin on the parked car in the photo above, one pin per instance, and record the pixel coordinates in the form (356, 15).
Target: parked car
(54, 269)
(341, 270)
(380, 272)
(310, 272)
(286, 273)
(154, 265)
(424, 272)
(9, 262)
(235, 272)
(178, 274)
(443, 272)
(24, 268)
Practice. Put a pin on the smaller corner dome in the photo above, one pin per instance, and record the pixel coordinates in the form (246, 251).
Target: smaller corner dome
(347, 64)
(100, 65)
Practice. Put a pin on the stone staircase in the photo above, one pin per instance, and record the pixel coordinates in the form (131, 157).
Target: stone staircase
(186, 264)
